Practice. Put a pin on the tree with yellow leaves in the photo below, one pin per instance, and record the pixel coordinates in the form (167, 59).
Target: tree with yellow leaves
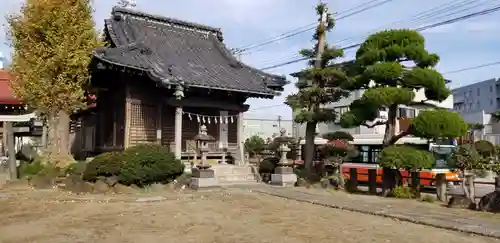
(52, 42)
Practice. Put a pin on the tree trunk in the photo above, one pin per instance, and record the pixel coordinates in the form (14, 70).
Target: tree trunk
(309, 148)
(58, 151)
(390, 127)
(391, 177)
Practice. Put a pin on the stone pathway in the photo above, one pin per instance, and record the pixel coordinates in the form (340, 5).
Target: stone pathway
(430, 214)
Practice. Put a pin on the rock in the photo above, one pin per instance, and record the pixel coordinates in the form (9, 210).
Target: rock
(77, 185)
(100, 186)
(301, 182)
(122, 189)
(460, 201)
(490, 202)
(111, 181)
(42, 182)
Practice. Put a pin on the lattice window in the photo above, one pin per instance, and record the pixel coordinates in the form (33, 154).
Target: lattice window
(143, 116)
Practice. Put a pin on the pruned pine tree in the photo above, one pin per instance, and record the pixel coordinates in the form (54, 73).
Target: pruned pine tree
(52, 42)
(390, 67)
(318, 85)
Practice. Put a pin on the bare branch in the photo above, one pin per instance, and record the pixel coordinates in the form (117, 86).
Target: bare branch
(378, 123)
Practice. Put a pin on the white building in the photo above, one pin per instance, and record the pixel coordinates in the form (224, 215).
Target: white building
(266, 128)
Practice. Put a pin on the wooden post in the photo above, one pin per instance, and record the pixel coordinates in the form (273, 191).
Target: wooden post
(178, 132)
(372, 181)
(11, 151)
(240, 139)
(497, 183)
(415, 183)
(469, 180)
(353, 179)
(441, 187)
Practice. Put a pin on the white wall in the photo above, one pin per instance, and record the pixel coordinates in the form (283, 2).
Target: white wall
(266, 128)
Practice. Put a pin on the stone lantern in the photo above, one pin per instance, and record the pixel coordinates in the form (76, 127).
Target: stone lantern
(202, 175)
(283, 174)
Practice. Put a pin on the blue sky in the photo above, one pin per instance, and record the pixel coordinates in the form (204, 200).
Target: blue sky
(464, 44)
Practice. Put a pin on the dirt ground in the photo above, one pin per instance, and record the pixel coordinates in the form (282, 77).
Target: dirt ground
(206, 217)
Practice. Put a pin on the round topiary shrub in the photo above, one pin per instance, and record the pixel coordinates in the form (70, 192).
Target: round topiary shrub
(146, 164)
(103, 165)
(485, 148)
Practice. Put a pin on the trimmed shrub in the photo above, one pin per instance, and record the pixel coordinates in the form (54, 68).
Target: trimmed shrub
(77, 168)
(146, 164)
(405, 157)
(485, 148)
(268, 165)
(103, 165)
(402, 192)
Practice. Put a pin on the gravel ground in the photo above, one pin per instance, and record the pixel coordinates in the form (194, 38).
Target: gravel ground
(223, 217)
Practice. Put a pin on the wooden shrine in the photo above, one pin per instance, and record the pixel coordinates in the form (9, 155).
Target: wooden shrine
(159, 79)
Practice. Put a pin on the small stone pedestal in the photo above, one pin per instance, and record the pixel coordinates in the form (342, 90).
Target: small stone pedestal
(202, 176)
(283, 174)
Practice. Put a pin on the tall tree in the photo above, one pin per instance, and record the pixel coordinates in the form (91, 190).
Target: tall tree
(318, 85)
(52, 42)
(390, 66)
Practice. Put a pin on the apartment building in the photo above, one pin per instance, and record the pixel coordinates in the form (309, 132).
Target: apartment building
(477, 97)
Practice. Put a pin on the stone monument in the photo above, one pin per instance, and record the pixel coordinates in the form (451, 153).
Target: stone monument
(202, 175)
(283, 174)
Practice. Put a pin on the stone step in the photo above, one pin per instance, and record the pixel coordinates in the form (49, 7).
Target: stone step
(232, 183)
(236, 177)
(231, 169)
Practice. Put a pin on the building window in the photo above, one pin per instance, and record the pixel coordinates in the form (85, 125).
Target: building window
(339, 111)
(406, 112)
(491, 102)
(491, 89)
(478, 92)
(478, 104)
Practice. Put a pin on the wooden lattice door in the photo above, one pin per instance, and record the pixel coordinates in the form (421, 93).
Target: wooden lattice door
(144, 121)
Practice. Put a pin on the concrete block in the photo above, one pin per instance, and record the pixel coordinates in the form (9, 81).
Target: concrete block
(283, 179)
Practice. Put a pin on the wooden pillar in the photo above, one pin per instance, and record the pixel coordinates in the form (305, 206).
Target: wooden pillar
(178, 132)
(240, 138)
(372, 181)
(11, 150)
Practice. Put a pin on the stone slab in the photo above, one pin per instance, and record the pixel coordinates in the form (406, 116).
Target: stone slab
(199, 183)
(283, 179)
(283, 170)
(150, 199)
(202, 173)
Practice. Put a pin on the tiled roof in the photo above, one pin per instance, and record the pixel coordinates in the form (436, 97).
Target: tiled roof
(167, 49)
(6, 94)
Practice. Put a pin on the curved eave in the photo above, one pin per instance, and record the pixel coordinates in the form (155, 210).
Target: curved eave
(165, 81)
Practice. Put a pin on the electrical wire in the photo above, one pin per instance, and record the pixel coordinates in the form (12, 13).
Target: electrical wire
(427, 27)
(473, 67)
(308, 27)
(415, 19)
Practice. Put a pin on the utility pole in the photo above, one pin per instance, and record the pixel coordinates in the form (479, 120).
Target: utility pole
(311, 125)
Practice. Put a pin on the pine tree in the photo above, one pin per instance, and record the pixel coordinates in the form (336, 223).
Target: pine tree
(52, 42)
(390, 66)
(318, 85)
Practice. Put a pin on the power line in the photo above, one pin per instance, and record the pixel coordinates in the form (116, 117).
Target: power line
(427, 27)
(473, 67)
(421, 17)
(309, 27)
(414, 19)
